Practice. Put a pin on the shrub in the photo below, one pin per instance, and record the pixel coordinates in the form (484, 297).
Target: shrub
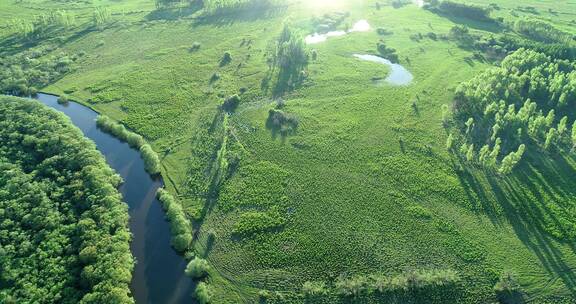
(469, 11)
(203, 293)
(63, 99)
(382, 31)
(278, 121)
(195, 46)
(151, 160)
(226, 58)
(253, 222)
(314, 289)
(419, 212)
(215, 77)
(541, 31)
(290, 59)
(507, 289)
(386, 52)
(231, 103)
(197, 268)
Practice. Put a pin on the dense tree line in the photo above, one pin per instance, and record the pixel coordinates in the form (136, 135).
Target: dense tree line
(42, 25)
(22, 74)
(541, 31)
(151, 160)
(63, 225)
(458, 9)
(180, 225)
(429, 286)
(526, 102)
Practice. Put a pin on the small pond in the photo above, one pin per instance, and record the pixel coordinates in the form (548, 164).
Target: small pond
(360, 26)
(398, 76)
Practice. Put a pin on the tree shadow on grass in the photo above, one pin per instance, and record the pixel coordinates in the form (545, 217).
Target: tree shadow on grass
(173, 13)
(488, 26)
(527, 197)
(227, 17)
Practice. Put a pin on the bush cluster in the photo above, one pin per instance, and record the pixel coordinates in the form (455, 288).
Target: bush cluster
(203, 293)
(415, 284)
(282, 122)
(151, 160)
(231, 103)
(387, 52)
(22, 74)
(459, 9)
(180, 226)
(542, 31)
(197, 268)
(290, 60)
(253, 222)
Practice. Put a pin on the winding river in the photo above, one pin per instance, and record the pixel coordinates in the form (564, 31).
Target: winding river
(158, 275)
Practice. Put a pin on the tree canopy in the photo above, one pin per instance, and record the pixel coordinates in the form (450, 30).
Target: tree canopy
(63, 225)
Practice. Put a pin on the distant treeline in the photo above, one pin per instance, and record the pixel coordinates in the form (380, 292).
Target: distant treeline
(542, 31)
(458, 9)
(24, 73)
(63, 226)
(423, 286)
(151, 160)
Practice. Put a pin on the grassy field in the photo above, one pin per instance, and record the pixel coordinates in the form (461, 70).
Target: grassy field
(365, 185)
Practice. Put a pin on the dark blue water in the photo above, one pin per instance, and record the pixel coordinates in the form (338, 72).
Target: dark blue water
(159, 272)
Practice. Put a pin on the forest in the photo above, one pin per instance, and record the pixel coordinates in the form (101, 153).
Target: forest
(527, 101)
(63, 232)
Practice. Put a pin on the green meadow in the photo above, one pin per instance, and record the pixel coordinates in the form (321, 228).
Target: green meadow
(361, 185)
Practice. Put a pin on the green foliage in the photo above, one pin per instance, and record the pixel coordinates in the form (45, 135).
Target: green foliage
(22, 73)
(43, 25)
(63, 99)
(253, 222)
(231, 103)
(507, 289)
(541, 31)
(221, 7)
(387, 52)
(419, 212)
(180, 226)
(415, 284)
(203, 293)
(64, 230)
(101, 16)
(465, 10)
(574, 135)
(279, 121)
(450, 142)
(197, 268)
(151, 160)
(511, 160)
(289, 61)
(314, 289)
(510, 101)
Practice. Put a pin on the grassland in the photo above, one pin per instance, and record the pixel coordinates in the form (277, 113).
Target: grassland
(365, 186)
